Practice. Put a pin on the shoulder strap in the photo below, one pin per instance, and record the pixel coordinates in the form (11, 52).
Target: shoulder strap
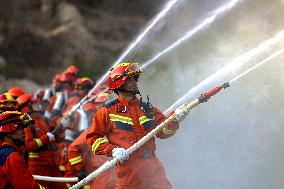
(111, 103)
(5, 151)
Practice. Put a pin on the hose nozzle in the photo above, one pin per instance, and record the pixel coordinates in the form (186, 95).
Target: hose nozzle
(205, 96)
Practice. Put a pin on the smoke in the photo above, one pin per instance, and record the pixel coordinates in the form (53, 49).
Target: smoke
(235, 140)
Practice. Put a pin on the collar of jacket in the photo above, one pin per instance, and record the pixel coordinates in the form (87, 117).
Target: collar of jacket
(122, 101)
(12, 145)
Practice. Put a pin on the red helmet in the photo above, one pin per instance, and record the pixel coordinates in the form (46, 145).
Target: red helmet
(11, 120)
(121, 72)
(7, 103)
(67, 77)
(16, 91)
(84, 83)
(23, 101)
(25, 98)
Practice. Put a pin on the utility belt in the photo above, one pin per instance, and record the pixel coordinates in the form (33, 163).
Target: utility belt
(144, 154)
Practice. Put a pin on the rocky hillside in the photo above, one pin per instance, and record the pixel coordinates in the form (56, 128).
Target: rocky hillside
(39, 38)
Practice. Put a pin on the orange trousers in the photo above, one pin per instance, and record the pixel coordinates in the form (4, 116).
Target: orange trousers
(141, 173)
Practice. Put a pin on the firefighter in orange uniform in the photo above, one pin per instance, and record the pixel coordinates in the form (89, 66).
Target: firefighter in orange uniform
(124, 121)
(43, 156)
(49, 102)
(83, 162)
(14, 171)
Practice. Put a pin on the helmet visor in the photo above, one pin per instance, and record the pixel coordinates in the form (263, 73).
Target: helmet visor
(133, 69)
(9, 103)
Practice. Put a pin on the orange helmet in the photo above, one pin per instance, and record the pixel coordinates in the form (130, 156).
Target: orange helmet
(16, 91)
(11, 120)
(121, 72)
(7, 103)
(57, 81)
(73, 69)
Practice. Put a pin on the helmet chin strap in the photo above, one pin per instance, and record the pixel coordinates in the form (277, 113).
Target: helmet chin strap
(122, 89)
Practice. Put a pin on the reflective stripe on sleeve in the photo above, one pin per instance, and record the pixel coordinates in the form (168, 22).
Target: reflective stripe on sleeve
(114, 117)
(38, 141)
(97, 143)
(75, 160)
(144, 119)
(33, 155)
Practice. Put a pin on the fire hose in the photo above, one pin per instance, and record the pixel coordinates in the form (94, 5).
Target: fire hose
(56, 179)
(185, 108)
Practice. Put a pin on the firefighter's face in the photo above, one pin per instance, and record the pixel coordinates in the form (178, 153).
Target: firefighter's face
(131, 83)
(19, 134)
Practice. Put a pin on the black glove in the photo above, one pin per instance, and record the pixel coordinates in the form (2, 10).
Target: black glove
(82, 174)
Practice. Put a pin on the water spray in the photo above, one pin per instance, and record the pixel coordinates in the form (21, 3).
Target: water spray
(233, 65)
(185, 108)
(259, 64)
(203, 98)
(155, 20)
(159, 16)
(193, 31)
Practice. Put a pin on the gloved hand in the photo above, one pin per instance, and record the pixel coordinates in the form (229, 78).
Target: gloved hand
(121, 154)
(82, 174)
(181, 113)
(50, 136)
(65, 121)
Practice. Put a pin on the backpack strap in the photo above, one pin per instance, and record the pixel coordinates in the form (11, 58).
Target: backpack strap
(5, 151)
(110, 104)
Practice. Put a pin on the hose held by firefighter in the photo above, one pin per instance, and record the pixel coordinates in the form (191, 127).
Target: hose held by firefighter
(124, 121)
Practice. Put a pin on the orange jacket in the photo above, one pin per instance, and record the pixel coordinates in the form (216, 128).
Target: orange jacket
(77, 152)
(124, 123)
(14, 172)
(81, 157)
(41, 150)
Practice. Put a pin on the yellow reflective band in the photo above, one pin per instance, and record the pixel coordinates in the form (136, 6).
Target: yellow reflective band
(121, 64)
(33, 155)
(122, 119)
(10, 112)
(144, 119)
(87, 187)
(38, 141)
(85, 78)
(97, 143)
(103, 94)
(75, 160)
(61, 167)
(41, 187)
(9, 96)
(168, 131)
